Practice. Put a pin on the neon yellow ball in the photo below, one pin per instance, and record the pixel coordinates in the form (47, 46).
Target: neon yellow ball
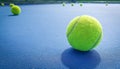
(16, 10)
(84, 33)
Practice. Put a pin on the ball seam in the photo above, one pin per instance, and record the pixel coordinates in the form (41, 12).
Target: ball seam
(99, 38)
(73, 27)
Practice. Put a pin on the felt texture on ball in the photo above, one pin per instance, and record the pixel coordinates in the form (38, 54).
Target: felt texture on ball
(84, 33)
(16, 10)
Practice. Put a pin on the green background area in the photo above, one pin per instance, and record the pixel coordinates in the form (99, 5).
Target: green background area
(53, 1)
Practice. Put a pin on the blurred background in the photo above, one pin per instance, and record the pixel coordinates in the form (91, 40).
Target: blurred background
(56, 1)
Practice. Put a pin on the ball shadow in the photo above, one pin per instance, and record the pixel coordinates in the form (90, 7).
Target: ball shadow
(12, 15)
(80, 60)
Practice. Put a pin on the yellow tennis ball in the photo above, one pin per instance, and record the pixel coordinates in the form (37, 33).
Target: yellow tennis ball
(16, 10)
(84, 33)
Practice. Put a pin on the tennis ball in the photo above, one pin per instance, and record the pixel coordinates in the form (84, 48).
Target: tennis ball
(11, 4)
(106, 4)
(72, 4)
(16, 10)
(63, 4)
(2, 4)
(84, 33)
(81, 4)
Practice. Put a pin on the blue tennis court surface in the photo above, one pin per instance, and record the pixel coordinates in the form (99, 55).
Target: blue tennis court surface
(36, 39)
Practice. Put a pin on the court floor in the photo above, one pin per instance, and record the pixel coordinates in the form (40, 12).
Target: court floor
(36, 39)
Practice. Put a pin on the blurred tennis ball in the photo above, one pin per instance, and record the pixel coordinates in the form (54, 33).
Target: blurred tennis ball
(16, 10)
(63, 4)
(11, 4)
(81, 4)
(2, 4)
(72, 4)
